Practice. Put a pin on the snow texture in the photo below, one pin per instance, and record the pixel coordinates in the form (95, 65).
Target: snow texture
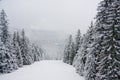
(44, 70)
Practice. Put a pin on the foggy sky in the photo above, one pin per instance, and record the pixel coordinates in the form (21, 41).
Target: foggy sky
(62, 15)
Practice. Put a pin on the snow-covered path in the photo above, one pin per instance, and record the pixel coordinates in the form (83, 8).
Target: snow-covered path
(44, 70)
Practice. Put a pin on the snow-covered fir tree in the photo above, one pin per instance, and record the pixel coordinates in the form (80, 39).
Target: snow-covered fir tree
(7, 57)
(108, 30)
(26, 51)
(72, 47)
(81, 57)
(41, 53)
(72, 54)
(17, 50)
(69, 51)
(78, 41)
(4, 27)
(89, 70)
(37, 52)
(99, 56)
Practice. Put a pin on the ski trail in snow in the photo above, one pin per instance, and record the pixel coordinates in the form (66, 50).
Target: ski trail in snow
(44, 70)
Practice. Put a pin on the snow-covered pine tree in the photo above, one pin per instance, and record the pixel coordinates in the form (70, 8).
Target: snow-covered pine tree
(18, 38)
(4, 27)
(26, 51)
(17, 50)
(89, 67)
(66, 54)
(77, 41)
(37, 52)
(82, 55)
(107, 43)
(8, 59)
(69, 51)
(72, 54)
(41, 53)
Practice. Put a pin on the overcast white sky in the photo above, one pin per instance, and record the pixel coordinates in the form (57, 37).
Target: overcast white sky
(65, 15)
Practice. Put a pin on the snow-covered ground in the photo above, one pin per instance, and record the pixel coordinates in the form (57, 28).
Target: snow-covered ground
(44, 70)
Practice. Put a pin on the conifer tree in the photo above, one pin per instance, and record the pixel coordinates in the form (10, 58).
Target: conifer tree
(26, 51)
(18, 38)
(77, 41)
(83, 51)
(37, 53)
(107, 44)
(4, 27)
(81, 62)
(72, 54)
(7, 57)
(68, 51)
(17, 50)
(7, 60)
(89, 67)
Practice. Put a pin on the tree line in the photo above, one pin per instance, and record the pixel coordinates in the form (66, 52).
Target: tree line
(97, 56)
(16, 50)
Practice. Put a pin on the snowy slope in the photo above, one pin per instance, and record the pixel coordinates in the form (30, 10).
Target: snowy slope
(44, 70)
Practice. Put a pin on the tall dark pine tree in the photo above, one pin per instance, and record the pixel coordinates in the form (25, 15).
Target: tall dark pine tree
(107, 45)
(4, 27)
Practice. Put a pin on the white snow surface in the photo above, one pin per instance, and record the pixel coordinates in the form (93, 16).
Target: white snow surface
(44, 70)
